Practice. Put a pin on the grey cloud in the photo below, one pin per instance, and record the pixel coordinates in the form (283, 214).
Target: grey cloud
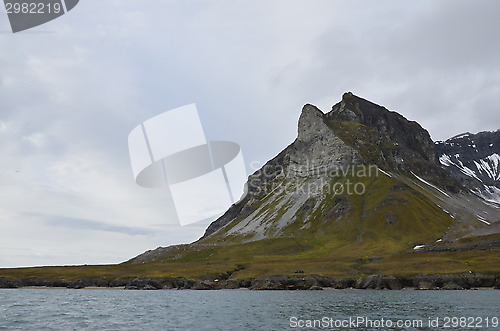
(429, 66)
(73, 95)
(91, 225)
(453, 35)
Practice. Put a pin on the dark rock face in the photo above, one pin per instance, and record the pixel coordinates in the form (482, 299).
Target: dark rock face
(389, 140)
(143, 284)
(9, 283)
(475, 160)
(452, 282)
(287, 283)
(374, 282)
(414, 140)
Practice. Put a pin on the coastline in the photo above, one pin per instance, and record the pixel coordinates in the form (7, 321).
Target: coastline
(93, 288)
(372, 282)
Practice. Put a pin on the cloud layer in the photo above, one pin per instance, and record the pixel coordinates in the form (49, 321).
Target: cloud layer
(71, 91)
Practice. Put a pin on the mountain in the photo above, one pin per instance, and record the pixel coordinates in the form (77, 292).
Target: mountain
(310, 187)
(474, 159)
(361, 191)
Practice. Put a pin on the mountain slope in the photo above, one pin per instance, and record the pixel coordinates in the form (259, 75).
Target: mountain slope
(338, 165)
(359, 189)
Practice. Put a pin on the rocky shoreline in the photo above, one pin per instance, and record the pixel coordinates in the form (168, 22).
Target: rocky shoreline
(373, 282)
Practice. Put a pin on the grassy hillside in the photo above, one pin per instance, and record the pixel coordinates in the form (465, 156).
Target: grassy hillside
(339, 236)
(272, 257)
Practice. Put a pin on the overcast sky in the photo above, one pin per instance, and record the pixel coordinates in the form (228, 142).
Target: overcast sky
(71, 91)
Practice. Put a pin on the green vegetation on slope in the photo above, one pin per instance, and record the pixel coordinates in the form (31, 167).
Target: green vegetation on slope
(348, 236)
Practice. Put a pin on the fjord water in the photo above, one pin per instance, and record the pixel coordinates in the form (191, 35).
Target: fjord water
(107, 309)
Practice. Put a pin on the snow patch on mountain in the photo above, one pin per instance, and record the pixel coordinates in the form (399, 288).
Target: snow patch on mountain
(476, 159)
(384, 172)
(446, 211)
(488, 166)
(489, 193)
(429, 184)
(446, 160)
(463, 135)
(481, 219)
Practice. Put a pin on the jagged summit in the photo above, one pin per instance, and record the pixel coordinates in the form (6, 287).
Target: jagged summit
(407, 134)
(383, 137)
(388, 139)
(317, 147)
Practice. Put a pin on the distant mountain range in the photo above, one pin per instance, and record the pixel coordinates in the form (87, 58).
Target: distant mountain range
(475, 160)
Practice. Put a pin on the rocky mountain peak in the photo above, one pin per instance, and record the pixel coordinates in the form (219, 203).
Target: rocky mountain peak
(412, 138)
(348, 110)
(317, 148)
(311, 124)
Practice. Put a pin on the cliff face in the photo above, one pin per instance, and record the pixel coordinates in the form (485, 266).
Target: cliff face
(389, 140)
(313, 156)
(413, 140)
(317, 149)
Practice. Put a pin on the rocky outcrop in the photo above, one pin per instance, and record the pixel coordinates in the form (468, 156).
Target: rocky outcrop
(389, 140)
(413, 140)
(317, 149)
(9, 283)
(289, 283)
(373, 282)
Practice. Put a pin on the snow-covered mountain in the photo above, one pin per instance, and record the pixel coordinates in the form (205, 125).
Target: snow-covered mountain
(475, 160)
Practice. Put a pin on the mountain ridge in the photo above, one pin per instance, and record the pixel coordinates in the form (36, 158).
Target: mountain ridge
(474, 159)
(347, 138)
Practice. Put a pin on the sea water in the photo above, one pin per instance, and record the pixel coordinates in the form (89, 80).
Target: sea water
(109, 309)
